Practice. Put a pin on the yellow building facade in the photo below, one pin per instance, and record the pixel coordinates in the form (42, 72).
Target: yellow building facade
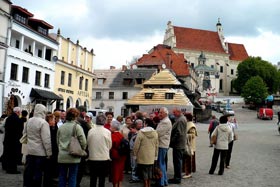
(73, 73)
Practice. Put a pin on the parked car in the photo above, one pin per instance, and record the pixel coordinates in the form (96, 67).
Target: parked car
(228, 111)
(221, 107)
(96, 112)
(265, 113)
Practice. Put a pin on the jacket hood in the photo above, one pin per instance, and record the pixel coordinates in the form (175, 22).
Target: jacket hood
(149, 132)
(223, 127)
(40, 111)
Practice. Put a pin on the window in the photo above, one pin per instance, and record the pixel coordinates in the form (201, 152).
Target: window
(221, 84)
(47, 81)
(221, 69)
(62, 77)
(127, 82)
(232, 71)
(25, 74)
(212, 66)
(86, 85)
(139, 80)
(100, 81)
(69, 79)
(17, 44)
(39, 53)
(149, 95)
(169, 95)
(38, 78)
(42, 30)
(124, 95)
(98, 95)
(81, 83)
(111, 95)
(13, 74)
(20, 18)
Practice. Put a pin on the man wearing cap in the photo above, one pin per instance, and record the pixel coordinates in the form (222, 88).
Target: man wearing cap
(88, 119)
(99, 144)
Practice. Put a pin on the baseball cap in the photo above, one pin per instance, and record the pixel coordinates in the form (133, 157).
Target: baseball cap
(89, 114)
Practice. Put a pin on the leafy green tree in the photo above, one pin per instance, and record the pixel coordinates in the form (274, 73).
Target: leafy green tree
(255, 66)
(255, 90)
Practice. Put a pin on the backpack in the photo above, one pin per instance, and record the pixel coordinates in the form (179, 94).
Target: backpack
(215, 123)
(124, 148)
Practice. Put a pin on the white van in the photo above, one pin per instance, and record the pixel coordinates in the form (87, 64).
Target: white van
(96, 112)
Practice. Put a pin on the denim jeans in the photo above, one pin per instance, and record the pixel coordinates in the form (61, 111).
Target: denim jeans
(72, 170)
(162, 152)
(133, 167)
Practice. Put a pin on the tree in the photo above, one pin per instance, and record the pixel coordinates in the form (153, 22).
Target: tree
(255, 90)
(255, 66)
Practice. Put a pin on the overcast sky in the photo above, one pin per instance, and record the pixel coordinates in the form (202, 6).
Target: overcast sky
(118, 30)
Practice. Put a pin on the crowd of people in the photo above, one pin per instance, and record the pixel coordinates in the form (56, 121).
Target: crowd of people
(41, 142)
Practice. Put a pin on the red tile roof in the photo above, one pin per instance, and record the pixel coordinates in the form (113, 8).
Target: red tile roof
(23, 10)
(42, 22)
(162, 54)
(237, 52)
(196, 39)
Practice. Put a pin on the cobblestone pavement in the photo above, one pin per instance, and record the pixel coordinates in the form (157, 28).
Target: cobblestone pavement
(254, 159)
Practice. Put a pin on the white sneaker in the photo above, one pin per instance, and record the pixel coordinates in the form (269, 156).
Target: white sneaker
(187, 176)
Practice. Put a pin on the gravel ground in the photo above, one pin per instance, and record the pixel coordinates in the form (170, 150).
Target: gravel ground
(254, 159)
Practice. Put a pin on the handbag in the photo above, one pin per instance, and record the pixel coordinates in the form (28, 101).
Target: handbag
(188, 150)
(235, 137)
(75, 148)
(213, 139)
(157, 173)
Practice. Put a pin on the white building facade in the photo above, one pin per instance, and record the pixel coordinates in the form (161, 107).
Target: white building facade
(29, 68)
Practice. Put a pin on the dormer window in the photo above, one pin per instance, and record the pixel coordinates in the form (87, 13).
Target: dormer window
(42, 30)
(127, 81)
(149, 95)
(139, 80)
(100, 81)
(169, 95)
(20, 18)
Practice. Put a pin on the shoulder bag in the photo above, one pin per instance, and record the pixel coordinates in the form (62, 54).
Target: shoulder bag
(188, 150)
(75, 148)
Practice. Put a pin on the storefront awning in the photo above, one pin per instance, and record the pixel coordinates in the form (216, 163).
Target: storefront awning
(44, 95)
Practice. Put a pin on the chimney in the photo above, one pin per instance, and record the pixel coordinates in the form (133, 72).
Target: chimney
(124, 67)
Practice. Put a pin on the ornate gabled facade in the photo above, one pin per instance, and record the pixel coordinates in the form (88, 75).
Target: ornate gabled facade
(112, 88)
(220, 55)
(161, 90)
(29, 65)
(74, 73)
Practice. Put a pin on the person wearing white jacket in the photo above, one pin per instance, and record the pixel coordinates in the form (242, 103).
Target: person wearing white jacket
(38, 146)
(223, 136)
(99, 144)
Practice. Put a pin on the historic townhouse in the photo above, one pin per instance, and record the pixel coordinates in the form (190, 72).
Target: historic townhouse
(73, 73)
(112, 88)
(214, 59)
(29, 68)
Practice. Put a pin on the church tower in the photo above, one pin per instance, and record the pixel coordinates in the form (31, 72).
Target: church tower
(221, 35)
